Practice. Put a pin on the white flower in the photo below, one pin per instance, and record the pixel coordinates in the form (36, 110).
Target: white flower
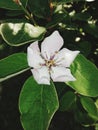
(50, 62)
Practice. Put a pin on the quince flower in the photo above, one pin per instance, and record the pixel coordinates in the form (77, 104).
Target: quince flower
(50, 62)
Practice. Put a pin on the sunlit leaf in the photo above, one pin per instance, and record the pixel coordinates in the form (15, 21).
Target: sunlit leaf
(16, 34)
(86, 75)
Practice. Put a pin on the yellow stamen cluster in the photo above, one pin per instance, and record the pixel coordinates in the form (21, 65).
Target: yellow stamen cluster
(50, 63)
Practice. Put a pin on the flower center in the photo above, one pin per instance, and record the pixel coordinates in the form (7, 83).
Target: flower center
(50, 63)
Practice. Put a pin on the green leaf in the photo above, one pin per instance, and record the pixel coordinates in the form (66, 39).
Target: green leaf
(10, 4)
(40, 8)
(56, 18)
(13, 65)
(16, 34)
(60, 88)
(83, 118)
(82, 16)
(86, 75)
(84, 47)
(89, 105)
(67, 100)
(91, 29)
(37, 104)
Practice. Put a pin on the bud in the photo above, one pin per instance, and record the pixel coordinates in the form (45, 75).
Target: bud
(17, 2)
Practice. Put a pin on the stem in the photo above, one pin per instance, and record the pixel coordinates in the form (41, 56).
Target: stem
(51, 7)
(51, 10)
(30, 16)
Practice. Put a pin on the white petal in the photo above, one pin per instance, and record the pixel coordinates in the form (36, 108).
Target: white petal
(41, 75)
(33, 56)
(65, 57)
(61, 74)
(51, 44)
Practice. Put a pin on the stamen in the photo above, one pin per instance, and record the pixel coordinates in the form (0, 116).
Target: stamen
(46, 54)
(50, 63)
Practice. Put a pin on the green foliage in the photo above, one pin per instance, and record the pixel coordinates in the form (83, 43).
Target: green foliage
(92, 29)
(67, 100)
(77, 22)
(83, 118)
(37, 104)
(56, 18)
(86, 75)
(39, 8)
(82, 16)
(10, 4)
(84, 47)
(89, 105)
(13, 65)
(16, 34)
(96, 127)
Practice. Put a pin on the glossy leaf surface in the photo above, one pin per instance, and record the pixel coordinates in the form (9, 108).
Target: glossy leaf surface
(37, 103)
